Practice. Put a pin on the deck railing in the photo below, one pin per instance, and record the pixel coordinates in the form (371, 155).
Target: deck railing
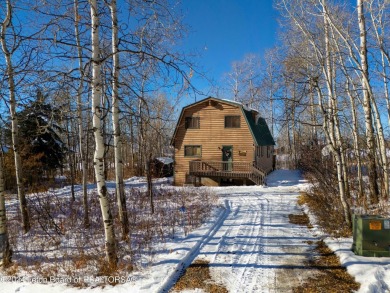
(227, 169)
(196, 166)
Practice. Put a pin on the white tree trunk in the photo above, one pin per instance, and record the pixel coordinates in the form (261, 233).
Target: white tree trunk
(334, 132)
(120, 191)
(382, 147)
(14, 120)
(378, 21)
(356, 142)
(80, 115)
(96, 86)
(370, 138)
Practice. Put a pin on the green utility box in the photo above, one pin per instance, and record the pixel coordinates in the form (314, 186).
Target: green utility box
(371, 235)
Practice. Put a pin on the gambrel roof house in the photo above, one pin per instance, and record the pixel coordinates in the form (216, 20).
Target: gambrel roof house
(220, 141)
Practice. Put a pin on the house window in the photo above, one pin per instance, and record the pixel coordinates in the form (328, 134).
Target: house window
(268, 151)
(192, 122)
(261, 151)
(192, 151)
(232, 121)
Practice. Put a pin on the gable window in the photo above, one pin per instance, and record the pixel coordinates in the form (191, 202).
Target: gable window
(232, 121)
(192, 151)
(192, 122)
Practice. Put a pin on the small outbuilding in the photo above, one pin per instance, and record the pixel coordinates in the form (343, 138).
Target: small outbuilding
(162, 167)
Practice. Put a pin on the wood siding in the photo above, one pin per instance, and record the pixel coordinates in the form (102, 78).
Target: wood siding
(212, 136)
(264, 157)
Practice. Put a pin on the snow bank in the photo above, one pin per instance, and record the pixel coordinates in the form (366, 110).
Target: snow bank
(373, 273)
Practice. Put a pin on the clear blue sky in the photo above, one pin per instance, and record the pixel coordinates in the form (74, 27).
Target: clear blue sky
(226, 30)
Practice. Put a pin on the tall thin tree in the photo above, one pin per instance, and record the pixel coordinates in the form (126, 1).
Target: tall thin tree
(10, 72)
(120, 191)
(80, 119)
(5, 251)
(97, 111)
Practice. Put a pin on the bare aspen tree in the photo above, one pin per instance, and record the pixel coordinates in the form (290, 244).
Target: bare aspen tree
(120, 191)
(234, 79)
(380, 35)
(360, 60)
(80, 119)
(70, 153)
(96, 84)
(350, 89)
(245, 80)
(270, 82)
(5, 251)
(8, 52)
(367, 107)
(355, 134)
(330, 111)
(335, 135)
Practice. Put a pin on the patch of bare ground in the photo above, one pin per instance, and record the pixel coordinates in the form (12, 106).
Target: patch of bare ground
(197, 276)
(329, 276)
(326, 272)
(302, 220)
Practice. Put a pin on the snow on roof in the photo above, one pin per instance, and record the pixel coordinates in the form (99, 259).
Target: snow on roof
(245, 106)
(165, 160)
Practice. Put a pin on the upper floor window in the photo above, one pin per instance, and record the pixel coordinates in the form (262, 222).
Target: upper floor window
(232, 121)
(192, 122)
(192, 151)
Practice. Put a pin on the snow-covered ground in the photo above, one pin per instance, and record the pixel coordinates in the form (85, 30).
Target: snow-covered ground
(249, 242)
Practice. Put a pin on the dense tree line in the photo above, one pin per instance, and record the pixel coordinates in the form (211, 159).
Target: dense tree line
(336, 71)
(325, 91)
(105, 78)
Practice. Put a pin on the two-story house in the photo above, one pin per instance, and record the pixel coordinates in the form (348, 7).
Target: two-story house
(219, 141)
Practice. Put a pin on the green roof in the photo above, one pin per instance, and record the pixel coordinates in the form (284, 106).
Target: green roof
(260, 130)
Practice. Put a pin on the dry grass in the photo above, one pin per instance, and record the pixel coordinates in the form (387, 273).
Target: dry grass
(328, 212)
(328, 274)
(331, 277)
(197, 276)
(58, 245)
(302, 220)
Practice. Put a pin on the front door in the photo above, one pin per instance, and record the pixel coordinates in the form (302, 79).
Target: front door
(227, 157)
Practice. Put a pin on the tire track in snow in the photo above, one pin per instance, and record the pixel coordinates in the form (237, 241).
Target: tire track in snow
(172, 278)
(252, 243)
(259, 243)
(256, 271)
(252, 247)
(237, 261)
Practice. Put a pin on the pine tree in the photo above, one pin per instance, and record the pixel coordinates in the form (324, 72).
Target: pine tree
(42, 148)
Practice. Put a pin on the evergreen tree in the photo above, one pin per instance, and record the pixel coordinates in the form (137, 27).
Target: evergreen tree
(43, 150)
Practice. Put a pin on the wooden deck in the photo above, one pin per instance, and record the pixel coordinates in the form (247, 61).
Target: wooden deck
(227, 170)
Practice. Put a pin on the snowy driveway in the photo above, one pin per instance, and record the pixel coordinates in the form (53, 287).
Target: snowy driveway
(256, 249)
(252, 247)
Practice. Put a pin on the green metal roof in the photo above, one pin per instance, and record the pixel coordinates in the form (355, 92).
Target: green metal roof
(260, 130)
